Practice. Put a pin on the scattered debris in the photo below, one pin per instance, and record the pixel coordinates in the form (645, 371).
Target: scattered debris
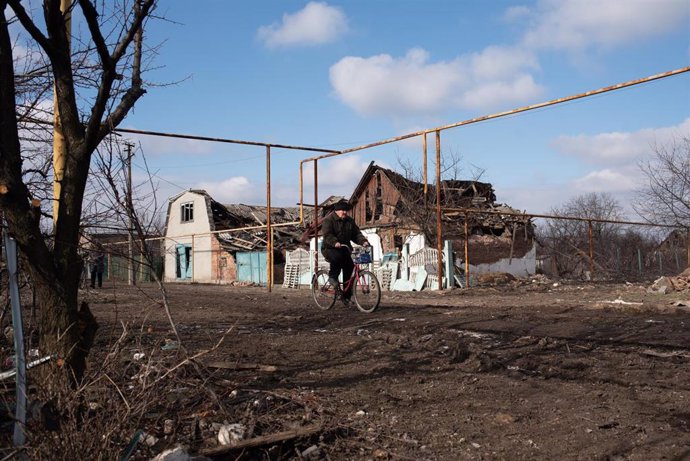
(8, 374)
(620, 301)
(264, 440)
(231, 434)
(495, 278)
(242, 366)
(664, 285)
(665, 354)
(170, 345)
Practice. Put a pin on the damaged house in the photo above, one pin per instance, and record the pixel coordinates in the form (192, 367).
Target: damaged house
(398, 217)
(209, 242)
(400, 213)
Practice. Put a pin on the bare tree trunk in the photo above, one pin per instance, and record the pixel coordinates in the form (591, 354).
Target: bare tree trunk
(67, 330)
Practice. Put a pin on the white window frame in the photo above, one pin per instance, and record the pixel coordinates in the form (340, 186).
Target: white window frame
(187, 212)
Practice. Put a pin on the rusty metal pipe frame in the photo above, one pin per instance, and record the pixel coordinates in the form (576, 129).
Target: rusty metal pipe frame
(331, 153)
(490, 117)
(516, 111)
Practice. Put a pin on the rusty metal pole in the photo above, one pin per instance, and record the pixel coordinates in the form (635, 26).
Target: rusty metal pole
(269, 231)
(426, 178)
(59, 149)
(316, 216)
(439, 230)
(301, 193)
(467, 252)
(591, 250)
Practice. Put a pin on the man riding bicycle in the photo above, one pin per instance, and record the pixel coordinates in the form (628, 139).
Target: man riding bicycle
(339, 230)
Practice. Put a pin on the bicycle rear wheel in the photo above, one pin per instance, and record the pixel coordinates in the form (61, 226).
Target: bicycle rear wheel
(367, 292)
(323, 292)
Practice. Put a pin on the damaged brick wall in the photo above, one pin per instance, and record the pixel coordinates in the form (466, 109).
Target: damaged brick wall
(223, 263)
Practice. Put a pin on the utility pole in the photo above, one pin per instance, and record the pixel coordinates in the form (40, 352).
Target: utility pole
(132, 280)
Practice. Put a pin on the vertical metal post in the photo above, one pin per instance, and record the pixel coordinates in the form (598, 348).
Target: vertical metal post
(59, 154)
(439, 231)
(512, 245)
(131, 278)
(467, 253)
(591, 250)
(316, 216)
(191, 258)
(405, 272)
(426, 179)
(450, 273)
(639, 261)
(17, 324)
(301, 193)
(269, 230)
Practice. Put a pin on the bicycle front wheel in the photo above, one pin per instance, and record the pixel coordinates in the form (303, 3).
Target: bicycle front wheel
(323, 292)
(367, 292)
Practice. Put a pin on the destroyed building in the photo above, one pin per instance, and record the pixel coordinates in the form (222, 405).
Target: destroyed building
(209, 242)
(396, 209)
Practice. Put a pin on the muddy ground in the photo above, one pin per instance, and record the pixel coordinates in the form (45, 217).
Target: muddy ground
(520, 372)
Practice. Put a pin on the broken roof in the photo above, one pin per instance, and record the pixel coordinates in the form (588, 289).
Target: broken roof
(454, 192)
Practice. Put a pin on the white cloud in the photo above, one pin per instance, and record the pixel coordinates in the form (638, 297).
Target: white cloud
(384, 85)
(341, 170)
(515, 13)
(316, 24)
(619, 148)
(536, 198)
(237, 189)
(578, 24)
(497, 93)
(616, 157)
(607, 180)
(337, 176)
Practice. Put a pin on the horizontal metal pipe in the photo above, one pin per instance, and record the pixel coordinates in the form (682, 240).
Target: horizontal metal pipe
(514, 111)
(224, 140)
(198, 138)
(570, 218)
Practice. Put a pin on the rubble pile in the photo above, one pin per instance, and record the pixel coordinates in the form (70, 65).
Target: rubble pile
(665, 285)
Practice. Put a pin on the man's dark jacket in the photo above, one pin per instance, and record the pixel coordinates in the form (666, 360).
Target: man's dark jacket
(343, 230)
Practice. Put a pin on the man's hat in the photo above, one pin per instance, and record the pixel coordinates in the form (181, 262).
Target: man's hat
(341, 205)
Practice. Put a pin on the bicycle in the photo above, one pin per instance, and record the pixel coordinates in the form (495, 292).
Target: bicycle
(366, 290)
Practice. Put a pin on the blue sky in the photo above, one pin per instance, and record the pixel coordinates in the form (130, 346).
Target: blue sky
(341, 74)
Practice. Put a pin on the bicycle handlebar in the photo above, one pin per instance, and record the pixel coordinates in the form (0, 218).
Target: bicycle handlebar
(350, 249)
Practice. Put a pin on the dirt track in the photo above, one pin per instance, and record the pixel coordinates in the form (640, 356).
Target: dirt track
(522, 372)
